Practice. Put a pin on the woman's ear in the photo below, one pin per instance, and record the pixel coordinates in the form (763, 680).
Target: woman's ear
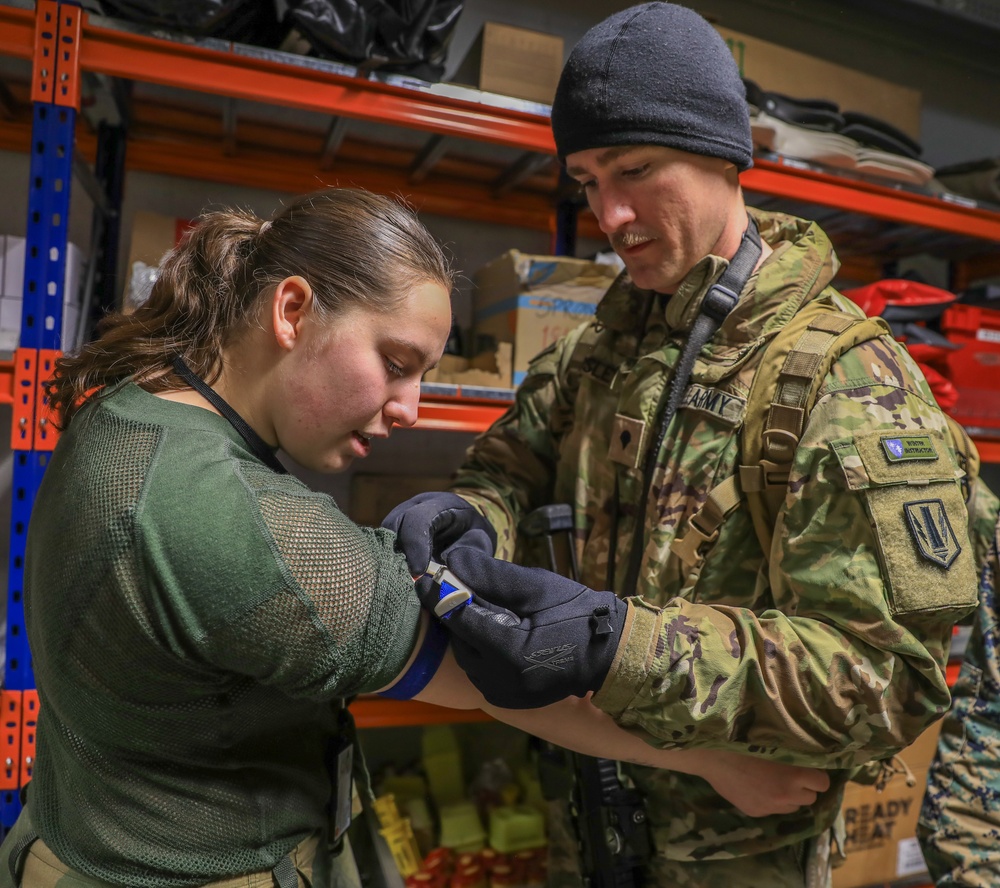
(290, 303)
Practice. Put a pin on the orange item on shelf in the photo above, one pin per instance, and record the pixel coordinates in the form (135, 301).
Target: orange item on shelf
(423, 879)
(473, 876)
(491, 858)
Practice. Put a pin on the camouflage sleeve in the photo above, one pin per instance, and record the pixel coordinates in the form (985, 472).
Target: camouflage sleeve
(511, 467)
(841, 660)
(959, 827)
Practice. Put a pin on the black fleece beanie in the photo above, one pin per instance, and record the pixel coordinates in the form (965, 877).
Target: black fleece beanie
(654, 74)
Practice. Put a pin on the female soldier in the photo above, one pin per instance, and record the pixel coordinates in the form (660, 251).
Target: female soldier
(196, 615)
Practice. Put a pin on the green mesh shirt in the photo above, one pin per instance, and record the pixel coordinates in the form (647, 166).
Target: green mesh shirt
(193, 618)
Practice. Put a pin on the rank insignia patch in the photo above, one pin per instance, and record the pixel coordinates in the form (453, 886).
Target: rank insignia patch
(627, 440)
(932, 531)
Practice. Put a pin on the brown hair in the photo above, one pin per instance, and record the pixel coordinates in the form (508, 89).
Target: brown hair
(354, 248)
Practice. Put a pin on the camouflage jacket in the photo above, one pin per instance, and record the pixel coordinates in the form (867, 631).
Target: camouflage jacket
(959, 828)
(828, 653)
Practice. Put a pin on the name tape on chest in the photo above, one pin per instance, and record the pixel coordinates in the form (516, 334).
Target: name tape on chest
(724, 405)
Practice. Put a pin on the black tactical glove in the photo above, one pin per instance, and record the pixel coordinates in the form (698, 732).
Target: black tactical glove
(528, 637)
(428, 523)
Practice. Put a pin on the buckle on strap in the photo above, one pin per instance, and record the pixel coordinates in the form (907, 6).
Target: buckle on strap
(718, 302)
(689, 547)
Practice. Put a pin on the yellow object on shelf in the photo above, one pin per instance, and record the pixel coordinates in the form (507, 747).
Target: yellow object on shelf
(516, 828)
(403, 847)
(442, 762)
(531, 789)
(404, 787)
(461, 828)
(386, 810)
(398, 835)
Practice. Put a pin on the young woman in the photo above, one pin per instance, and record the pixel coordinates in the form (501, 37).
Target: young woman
(196, 615)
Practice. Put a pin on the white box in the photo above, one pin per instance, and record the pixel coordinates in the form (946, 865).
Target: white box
(13, 274)
(12, 293)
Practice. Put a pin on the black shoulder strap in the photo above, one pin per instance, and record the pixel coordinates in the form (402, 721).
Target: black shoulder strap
(254, 441)
(717, 303)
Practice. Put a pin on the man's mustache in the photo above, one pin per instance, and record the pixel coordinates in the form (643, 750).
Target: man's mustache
(626, 239)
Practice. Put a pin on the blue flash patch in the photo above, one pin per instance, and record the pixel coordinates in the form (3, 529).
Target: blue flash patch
(932, 531)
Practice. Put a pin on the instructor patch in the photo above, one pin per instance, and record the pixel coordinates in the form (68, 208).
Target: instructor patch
(932, 531)
(901, 448)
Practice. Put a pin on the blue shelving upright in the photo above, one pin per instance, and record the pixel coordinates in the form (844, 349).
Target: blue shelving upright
(55, 100)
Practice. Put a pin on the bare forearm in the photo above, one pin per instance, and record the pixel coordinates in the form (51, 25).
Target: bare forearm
(756, 786)
(576, 724)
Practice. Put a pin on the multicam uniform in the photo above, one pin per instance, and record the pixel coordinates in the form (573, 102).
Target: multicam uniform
(830, 653)
(959, 827)
(195, 618)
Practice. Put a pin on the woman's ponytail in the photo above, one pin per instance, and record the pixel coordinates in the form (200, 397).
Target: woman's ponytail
(355, 248)
(203, 289)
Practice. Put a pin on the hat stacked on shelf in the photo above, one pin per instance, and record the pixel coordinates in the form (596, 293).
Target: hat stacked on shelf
(817, 130)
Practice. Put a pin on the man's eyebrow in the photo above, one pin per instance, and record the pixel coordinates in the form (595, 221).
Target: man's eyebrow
(604, 158)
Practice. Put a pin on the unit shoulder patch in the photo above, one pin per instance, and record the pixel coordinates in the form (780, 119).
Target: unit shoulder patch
(932, 531)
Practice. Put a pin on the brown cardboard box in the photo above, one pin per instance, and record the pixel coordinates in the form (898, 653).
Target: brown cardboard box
(778, 69)
(881, 827)
(491, 369)
(372, 496)
(513, 62)
(532, 300)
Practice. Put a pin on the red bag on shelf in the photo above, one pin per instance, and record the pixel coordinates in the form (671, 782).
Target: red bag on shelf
(975, 367)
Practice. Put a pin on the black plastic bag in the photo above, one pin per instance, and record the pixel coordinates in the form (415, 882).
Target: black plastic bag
(242, 21)
(399, 36)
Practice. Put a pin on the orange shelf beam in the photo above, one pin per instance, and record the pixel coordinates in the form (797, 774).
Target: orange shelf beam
(17, 32)
(6, 382)
(378, 712)
(230, 73)
(457, 415)
(870, 199)
(252, 167)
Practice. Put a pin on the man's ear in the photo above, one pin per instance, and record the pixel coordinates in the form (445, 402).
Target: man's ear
(290, 303)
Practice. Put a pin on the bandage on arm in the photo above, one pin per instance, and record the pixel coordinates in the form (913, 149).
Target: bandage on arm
(431, 674)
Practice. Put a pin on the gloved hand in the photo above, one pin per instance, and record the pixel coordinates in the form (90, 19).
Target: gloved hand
(428, 523)
(528, 637)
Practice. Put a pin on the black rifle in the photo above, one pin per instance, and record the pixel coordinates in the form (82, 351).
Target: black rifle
(609, 818)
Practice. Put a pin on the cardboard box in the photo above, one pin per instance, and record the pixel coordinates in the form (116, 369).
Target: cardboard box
(12, 256)
(513, 62)
(531, 300)
(778, 69)
(490, 369)
(372, 496)
(882, 826)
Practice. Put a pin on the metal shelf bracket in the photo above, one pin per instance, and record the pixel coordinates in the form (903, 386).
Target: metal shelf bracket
(56, 75)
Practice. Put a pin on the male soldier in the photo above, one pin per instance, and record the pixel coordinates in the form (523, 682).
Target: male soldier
(827, 647)
(959, 828)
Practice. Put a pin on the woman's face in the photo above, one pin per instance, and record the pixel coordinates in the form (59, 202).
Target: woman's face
(352, 379)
